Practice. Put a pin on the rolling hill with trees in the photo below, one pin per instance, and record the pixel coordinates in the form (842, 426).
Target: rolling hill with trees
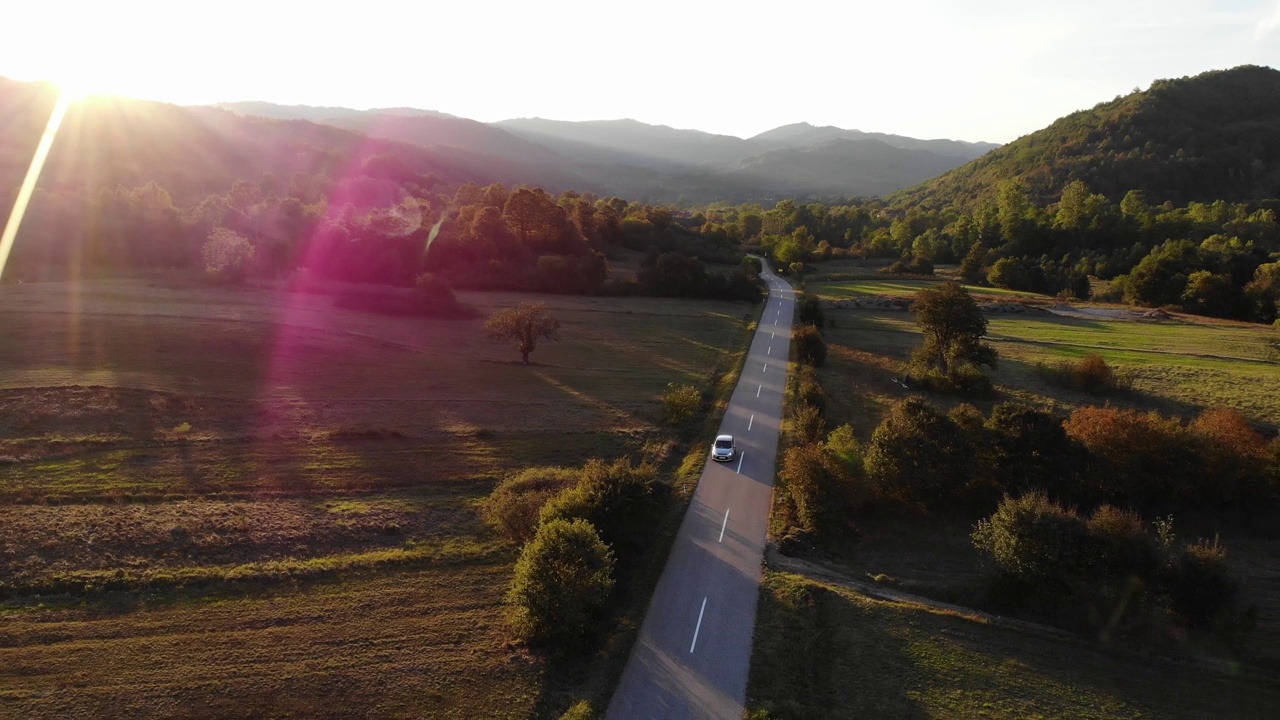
(1214, 136)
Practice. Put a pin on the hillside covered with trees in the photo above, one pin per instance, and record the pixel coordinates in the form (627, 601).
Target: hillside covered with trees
(1214, 136)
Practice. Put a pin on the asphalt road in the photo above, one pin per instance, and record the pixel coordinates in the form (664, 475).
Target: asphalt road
(694, 650)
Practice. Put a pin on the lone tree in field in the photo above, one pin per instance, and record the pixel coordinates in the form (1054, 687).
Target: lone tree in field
(953, 327)
(227, 255)
(524, 323)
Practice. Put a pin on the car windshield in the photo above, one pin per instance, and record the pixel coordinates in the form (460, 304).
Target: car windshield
(724, 443)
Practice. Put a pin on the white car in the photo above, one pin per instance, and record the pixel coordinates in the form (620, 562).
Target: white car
(723, 449)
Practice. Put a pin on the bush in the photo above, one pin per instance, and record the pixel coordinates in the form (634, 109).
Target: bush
(681, 404)
(809, 311)
(562, 578)
(808, 424)
(844, 449)
(1237, 455)
(810, 349)
(1121, 544)
(1034, 540)
(1199, 584)
(513, 507)
(619, 499)
(1090, 374)
(227, 255)
(1029, 450)
(818, 497)
(918, 456)
(808, 390)
(433, 296)
(1140, 459)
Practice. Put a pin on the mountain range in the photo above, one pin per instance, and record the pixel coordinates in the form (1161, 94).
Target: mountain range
(656, 162)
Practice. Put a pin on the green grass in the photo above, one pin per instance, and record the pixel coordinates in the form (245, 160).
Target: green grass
(1178, 367)
(898, 287)
(823, 651)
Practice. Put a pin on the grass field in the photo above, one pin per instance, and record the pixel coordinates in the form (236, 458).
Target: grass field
(824, 651)
(1178, 366)
(254, 504)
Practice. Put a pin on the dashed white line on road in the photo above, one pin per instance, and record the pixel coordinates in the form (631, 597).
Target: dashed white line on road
(770, 351)
(724, 524)
(740, 456)
(750, 422)
(698, 627)
(766, 368)
(758, 390)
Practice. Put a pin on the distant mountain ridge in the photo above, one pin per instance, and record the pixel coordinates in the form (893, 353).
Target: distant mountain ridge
(1212, 136)
(656, 162)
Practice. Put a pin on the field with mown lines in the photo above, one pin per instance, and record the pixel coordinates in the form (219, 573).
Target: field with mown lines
(247, 502)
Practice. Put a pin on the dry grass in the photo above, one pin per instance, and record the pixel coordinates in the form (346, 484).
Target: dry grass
(246, 502)
(408, 644)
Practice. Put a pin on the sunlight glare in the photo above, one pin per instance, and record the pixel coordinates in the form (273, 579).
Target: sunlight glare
(33, 174)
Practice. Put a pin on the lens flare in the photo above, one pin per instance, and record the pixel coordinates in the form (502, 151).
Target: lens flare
(33, 174)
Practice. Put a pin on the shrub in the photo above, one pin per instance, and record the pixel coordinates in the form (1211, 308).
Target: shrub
(1034, 539)
(562, 578)
(680, 404)
(810, 349)
(433, 296)
(965, 380)
(1199, 584)
(1235, 453)
(1029, 450)
(227, 255)
(1090, 374)
(808, 424)
(818, 497)
(918, 456)
(808, 390)
(844, 449)
(1121, 544)
(513, 507)
(619, 499)
(1136, 458)
(809, 311)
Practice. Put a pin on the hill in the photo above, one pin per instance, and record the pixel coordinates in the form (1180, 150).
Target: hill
(1214, 136)
(190, 152)
(861, 167)
(656, 162)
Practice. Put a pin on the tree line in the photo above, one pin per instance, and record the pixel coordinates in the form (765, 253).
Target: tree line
(1218, 258)
(384, 224)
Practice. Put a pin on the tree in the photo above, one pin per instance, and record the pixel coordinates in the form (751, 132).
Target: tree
(524, 323)
(810, 348)
(953, 326)
(227, 255)
(809, 311)
(971, 266)
(918, 455)
(562, 577)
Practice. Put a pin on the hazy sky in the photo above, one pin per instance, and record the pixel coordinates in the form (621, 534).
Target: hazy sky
(972, 69)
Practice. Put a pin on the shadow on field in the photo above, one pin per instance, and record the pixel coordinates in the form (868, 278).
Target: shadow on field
(819, 654)
(1027, 376)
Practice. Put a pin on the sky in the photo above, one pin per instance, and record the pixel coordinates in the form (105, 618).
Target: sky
(989, 70)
